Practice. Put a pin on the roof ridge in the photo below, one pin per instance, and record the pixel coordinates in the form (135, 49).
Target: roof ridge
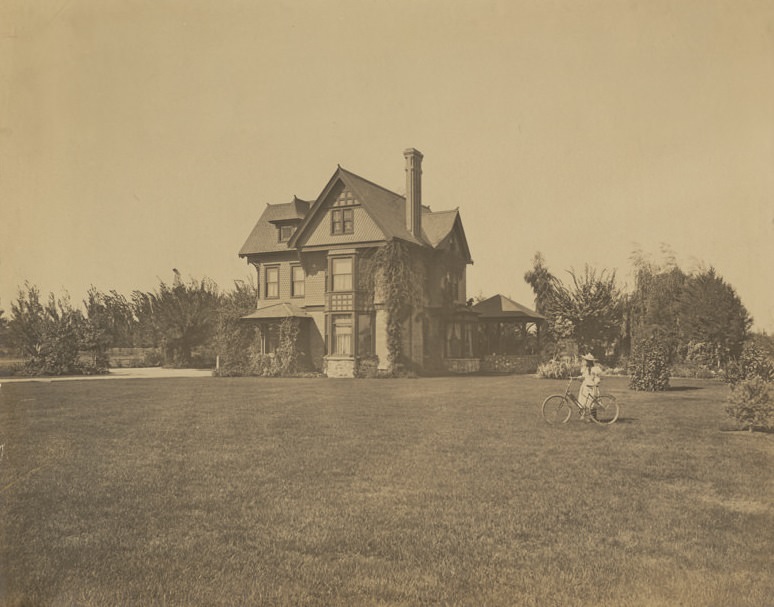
(373, 183)
(441, 212)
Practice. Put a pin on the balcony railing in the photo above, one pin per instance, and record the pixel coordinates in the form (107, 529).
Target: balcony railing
(348, 300)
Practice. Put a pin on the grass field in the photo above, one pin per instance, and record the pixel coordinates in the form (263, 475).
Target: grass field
(442, 491)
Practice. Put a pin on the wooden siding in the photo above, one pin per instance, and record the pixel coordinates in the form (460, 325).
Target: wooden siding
(315, 267)
(365, 230)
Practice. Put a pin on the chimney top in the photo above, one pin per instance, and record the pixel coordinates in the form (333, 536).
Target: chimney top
(414, 191)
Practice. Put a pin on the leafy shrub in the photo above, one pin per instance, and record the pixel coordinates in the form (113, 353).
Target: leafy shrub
(558, 369)
(619, 371)
(242, 356)
(367, 367)
(8, 369)
(693, 370)
(54, 338)
(48, 335)
(701, 354)
(152, 358)
(262, 365)
(705, 373)
(649, 365)
(183, 316)
(288, 354)
(753, 363)
(203, 358)
(750, 404)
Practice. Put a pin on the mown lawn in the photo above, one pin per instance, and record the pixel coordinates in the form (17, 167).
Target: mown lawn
(377, 492)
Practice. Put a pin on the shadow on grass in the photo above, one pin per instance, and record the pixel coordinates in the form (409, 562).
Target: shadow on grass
(682, 388)
(738, 430)
(627, 420)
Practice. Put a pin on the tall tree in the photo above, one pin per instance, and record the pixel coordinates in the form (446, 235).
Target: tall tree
(234, 338)
(182, 315)
(589, 310)
(48, 335)
(3, 329)
(653, 306)
(120, 320)
(97, 334)
(593, 306)
(544, 284)
(711, 316)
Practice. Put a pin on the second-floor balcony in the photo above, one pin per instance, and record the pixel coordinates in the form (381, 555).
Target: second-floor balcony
(342, 301)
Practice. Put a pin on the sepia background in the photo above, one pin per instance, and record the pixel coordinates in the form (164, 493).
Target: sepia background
(138, 136)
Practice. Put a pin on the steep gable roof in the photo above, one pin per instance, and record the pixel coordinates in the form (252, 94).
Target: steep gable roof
(438, 228)
(386, 208)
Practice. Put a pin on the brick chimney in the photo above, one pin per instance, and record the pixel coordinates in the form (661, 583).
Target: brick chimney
(414, 191)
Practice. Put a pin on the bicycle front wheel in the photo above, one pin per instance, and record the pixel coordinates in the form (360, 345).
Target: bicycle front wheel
(556, 409)
(604, 409)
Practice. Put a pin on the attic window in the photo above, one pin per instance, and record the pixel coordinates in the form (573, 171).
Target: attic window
(284, 233)
(342, 221)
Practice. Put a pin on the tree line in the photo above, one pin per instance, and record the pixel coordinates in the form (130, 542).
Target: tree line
(669, 317)
(177, 320)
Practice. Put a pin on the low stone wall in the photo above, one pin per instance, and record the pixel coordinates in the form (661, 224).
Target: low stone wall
(462, 365)
(510, 363)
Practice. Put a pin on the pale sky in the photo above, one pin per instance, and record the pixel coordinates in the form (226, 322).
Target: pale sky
(141, 136)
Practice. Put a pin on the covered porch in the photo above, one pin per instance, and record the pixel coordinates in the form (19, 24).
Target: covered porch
(508, 335)
(269, 321)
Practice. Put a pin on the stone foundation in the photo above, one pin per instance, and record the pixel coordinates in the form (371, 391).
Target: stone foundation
(462, 365)
(510, 363)
(339, 367)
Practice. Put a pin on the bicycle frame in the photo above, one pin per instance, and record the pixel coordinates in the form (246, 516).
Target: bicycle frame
(574, 399)
(600, 408)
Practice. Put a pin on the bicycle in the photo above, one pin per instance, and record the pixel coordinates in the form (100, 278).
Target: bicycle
(557, 408)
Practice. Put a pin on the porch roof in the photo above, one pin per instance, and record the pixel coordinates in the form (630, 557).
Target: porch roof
(499, 307)
(276, 311)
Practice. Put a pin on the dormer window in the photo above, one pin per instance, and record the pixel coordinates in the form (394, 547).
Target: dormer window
(284, 233)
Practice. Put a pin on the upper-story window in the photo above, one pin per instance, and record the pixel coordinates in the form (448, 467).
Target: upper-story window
(341, 269)
(284, 233)
(297, 283)
(342, 221)
(453, 285)
(272, 282)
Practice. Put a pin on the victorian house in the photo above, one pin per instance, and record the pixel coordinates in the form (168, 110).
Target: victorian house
(313, 260)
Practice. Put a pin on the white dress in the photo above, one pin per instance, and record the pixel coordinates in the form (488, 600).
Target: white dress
(590, 378)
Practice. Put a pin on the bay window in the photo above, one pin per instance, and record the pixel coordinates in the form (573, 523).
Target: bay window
(341, 269)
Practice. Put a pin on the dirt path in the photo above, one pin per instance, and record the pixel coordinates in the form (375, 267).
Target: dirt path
(139, 373)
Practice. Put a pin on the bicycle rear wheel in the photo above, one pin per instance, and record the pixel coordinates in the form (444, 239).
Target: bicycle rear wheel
(556, 409)
(604, 409)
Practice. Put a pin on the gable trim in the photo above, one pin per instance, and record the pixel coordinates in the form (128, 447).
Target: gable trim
(340, 175)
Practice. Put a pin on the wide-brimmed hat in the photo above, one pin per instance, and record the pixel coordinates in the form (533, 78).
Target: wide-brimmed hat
(589, 357)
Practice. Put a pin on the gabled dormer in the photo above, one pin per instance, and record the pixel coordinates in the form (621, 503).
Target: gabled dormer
(444, 232)
(275, 227)
(352, 210)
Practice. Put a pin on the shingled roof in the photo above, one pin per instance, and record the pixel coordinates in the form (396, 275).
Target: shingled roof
(385, 207)
(500, 307)
(263, 238)
(278, 310)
